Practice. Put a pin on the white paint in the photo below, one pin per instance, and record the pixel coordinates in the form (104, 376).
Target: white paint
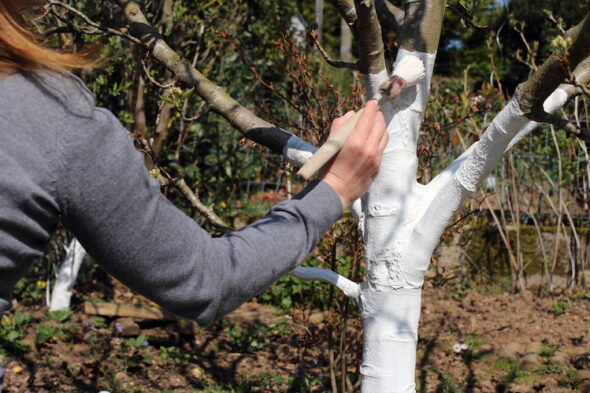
(492, 144)
(350, 288)
(373, 81)
(390, 332)
(556, 100)
(66, 277)
(298, 151)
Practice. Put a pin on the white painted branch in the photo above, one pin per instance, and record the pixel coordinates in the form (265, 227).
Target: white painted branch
(66, 277)
(350, 288)
(447, 191)
(298, 151)
(556, 100)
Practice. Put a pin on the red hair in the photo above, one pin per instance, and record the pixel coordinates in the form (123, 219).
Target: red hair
(20, 49)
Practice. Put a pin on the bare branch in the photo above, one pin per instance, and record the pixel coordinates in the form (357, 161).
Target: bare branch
(347, 11)
(466, 17)
(241, 118)
(206, 211)
(564, 124)
(162, 125)
(326, 56)
(97, 29)
(151, 78)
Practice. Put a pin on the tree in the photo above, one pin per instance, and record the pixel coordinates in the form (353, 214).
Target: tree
(401, 219)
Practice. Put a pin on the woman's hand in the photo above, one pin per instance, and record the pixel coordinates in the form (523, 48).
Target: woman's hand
(355, 167)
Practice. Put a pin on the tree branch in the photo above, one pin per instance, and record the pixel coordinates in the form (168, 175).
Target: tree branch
(531, 94)
(465, 16)
(389, 15)
(334, 63)
(370, 43)
(349, 288)
(241, 118)
(206, 211)
(97, 29)
(452, 186)
(347, 11)
(564, 124)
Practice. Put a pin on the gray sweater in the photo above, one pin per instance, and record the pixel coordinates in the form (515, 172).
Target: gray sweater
(62, 158)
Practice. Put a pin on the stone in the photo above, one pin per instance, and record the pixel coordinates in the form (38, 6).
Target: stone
(581, 375)
(511, 351)
(196, 372)
(126, 327)
(531, 357)
(560, 358)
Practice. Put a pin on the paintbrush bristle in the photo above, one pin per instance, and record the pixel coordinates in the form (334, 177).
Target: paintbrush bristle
(411, 69)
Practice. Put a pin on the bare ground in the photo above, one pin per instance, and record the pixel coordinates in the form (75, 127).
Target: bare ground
(511, 343)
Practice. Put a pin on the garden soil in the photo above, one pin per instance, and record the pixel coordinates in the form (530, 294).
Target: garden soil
(469, 342)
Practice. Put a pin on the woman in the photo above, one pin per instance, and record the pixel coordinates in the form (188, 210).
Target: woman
(63, 159)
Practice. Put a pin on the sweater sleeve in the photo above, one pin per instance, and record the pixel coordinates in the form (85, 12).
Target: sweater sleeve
(117, 212)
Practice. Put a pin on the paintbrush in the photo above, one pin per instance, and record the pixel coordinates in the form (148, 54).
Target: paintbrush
(408, 72)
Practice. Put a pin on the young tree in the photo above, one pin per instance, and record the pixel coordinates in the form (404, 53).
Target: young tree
(401, 220)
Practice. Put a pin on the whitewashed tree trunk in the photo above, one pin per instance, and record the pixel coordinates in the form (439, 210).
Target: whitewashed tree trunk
(61, 295)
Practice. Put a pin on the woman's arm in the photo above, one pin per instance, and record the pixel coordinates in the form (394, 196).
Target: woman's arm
(118, 213)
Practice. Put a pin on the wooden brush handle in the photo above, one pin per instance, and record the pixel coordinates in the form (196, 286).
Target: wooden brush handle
(330, 148)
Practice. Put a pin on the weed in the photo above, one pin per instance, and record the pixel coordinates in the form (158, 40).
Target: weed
(45, 333)
(174, 353)
(139, 342)
(568, 381)
(447, 384)
(460, 290)
(59, 316)
(12, 332)
(473, 353)
(559, 307)
(547, 350)
(241, 388)
(547, 369)
(515, 373)
(98, 322)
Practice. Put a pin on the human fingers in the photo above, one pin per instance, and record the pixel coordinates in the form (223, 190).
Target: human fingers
(365, 123)
(340, 121)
